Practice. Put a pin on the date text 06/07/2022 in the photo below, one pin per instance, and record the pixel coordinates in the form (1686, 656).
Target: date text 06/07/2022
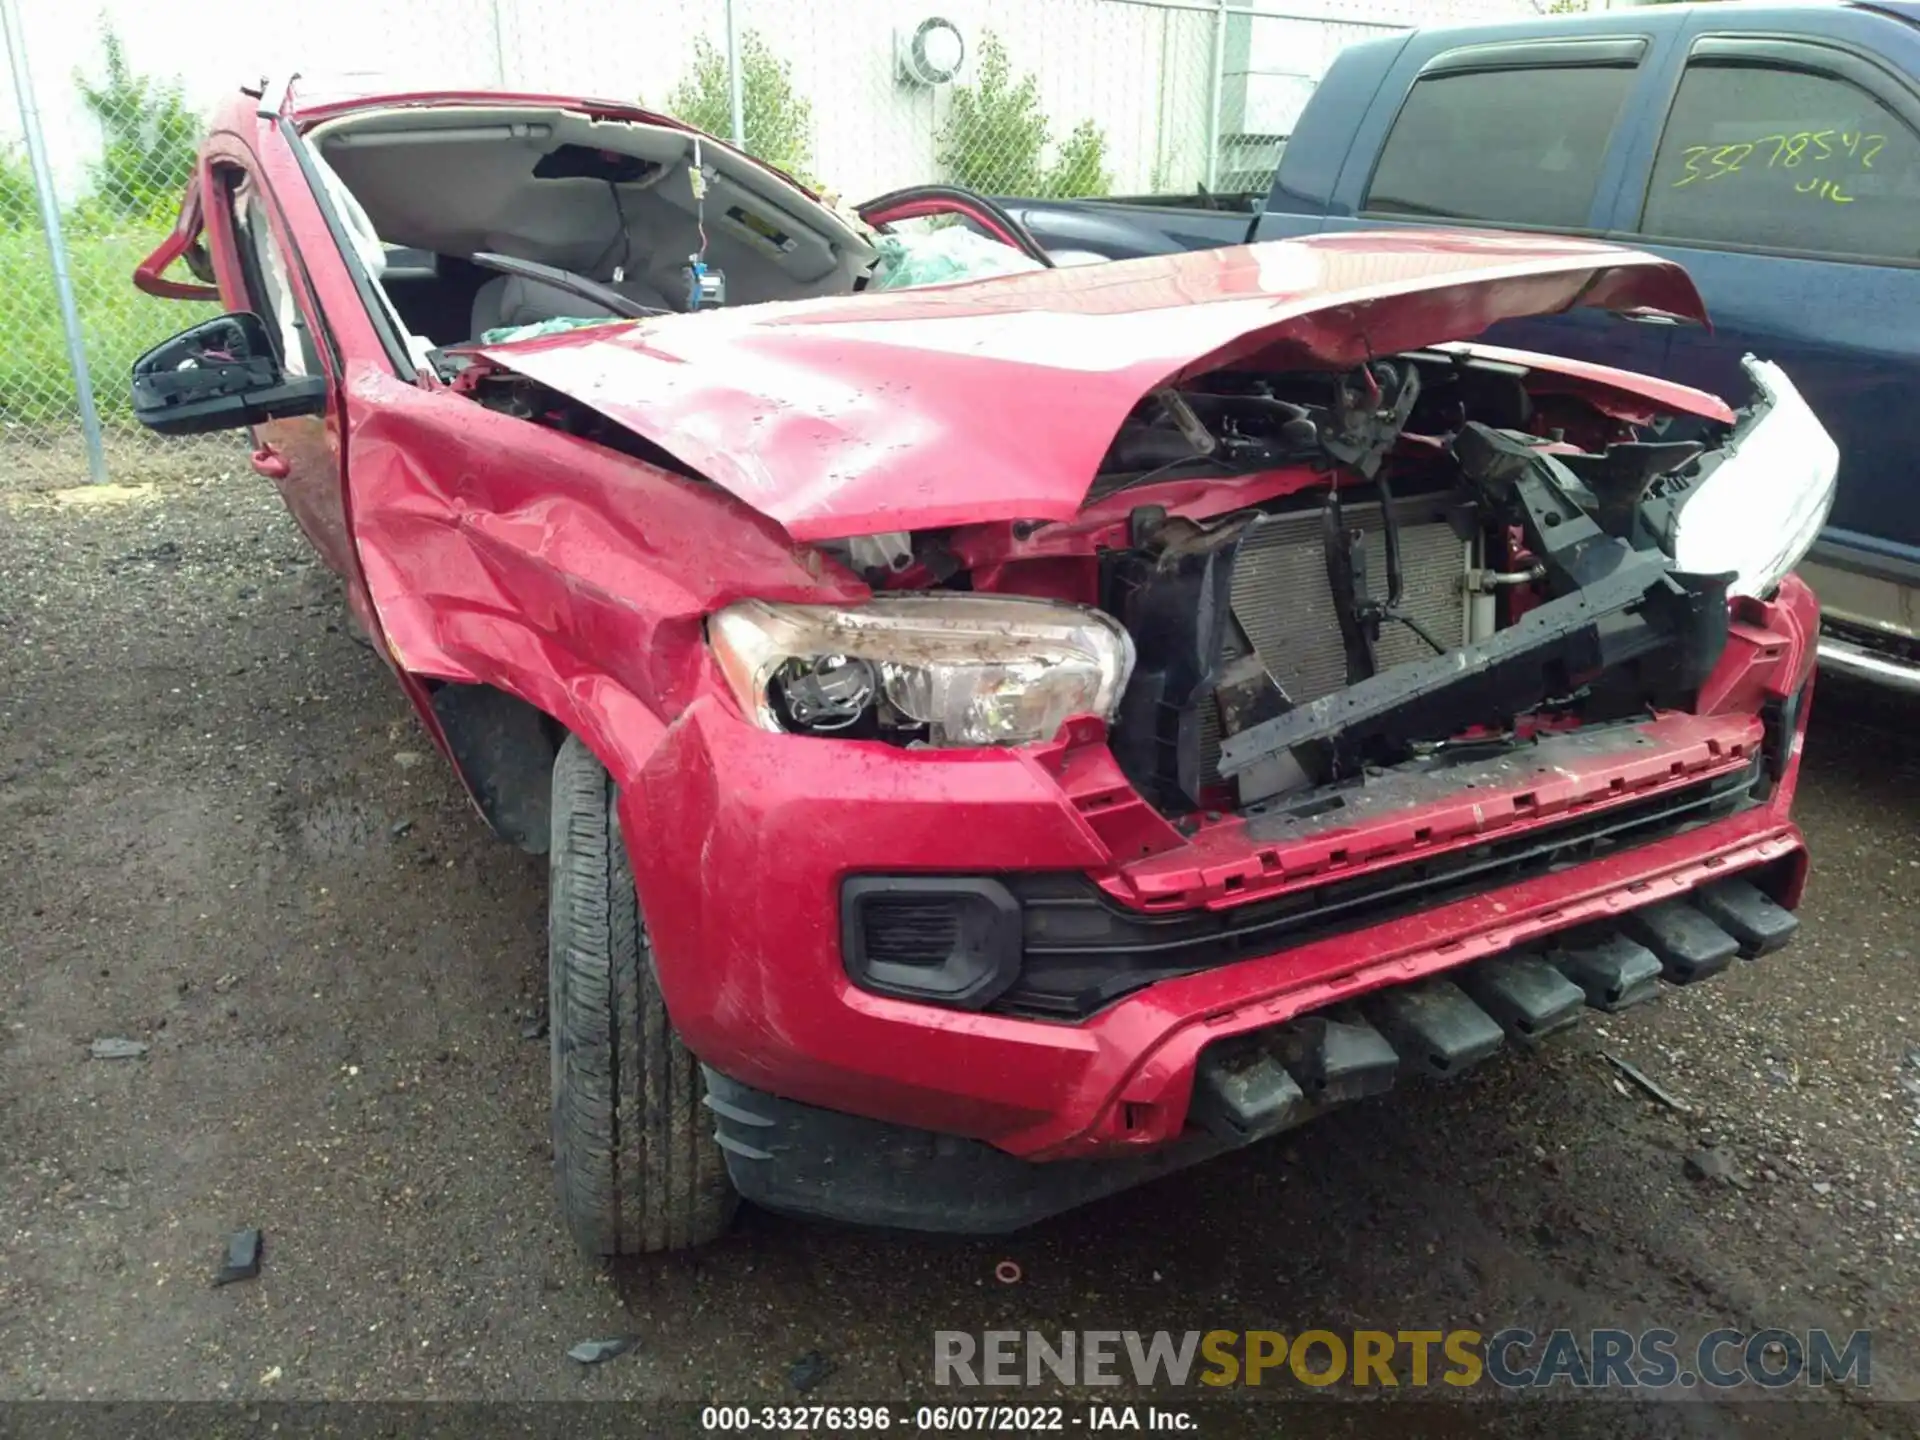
(923, 1419)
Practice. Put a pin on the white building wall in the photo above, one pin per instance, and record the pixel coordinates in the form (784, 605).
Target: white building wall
(1140, 72)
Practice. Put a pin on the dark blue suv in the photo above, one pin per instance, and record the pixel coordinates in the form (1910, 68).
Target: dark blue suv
(1773, 149)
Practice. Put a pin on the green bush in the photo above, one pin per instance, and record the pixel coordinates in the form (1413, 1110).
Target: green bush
(18, 207)
(778, 122)
(148, 144)
(1080, 167)
(117, 323)
(996, 135)
(149, 139)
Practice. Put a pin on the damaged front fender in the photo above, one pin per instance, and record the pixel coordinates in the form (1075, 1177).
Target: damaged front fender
(578, 580)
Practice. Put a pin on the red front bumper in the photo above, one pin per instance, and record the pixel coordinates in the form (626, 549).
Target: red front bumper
(741, 840)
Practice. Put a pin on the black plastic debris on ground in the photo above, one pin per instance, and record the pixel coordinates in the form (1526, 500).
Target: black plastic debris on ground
(1647, 1083)
(809, 1370)
(243, 1257)
(594, 1352)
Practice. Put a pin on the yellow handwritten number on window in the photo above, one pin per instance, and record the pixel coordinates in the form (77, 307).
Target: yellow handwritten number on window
(1711, 162)
(1825, 189)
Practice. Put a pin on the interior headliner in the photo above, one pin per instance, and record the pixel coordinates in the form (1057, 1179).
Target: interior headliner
(457, 180)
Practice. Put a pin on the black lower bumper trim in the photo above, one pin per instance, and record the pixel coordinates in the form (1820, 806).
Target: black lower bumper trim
(1690, 946)
(1242, 1091)
(804, 1160)
(1615, 972)
(1435, 1027)
(1750, 917)
(1528, 997)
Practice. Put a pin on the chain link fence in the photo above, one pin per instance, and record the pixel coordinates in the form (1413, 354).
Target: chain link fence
(1023, 97)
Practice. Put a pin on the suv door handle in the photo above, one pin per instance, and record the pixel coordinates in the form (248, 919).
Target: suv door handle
(270, 463)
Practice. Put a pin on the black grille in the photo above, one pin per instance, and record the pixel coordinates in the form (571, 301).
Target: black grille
(910, 931)
(1081, 951)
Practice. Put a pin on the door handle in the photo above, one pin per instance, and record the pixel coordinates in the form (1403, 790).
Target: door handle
(270, 463)
(1647, 317)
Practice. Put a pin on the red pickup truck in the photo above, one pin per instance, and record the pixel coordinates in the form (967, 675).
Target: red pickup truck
(1001, 741)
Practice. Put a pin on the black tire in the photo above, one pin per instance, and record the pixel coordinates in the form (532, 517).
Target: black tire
(356, 632)
(633, 1148)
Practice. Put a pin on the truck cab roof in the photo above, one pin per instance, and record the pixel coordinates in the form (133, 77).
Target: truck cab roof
(1654, 18)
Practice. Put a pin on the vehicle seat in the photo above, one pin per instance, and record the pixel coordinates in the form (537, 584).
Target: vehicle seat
(515, 300)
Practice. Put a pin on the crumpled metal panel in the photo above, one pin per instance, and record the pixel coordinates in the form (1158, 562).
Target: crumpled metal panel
(508, 554)
(996, 400)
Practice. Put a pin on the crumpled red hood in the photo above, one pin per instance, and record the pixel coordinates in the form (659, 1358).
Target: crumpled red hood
(997, 399)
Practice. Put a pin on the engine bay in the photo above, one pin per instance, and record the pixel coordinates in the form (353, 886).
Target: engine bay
(1469, 567)
(1321, 576)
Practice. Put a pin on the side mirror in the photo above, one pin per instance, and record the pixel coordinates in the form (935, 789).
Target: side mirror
(220, 375)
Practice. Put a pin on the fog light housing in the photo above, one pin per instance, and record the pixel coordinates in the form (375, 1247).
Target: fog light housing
(947, 940)
(1782, 719)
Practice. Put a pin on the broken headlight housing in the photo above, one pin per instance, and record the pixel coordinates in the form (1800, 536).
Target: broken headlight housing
(942, 670)
(1760, 510)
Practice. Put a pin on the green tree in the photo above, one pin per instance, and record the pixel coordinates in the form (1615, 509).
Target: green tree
(17, 203)
(148, 139)
(996, 135)
(779, 123)
(1081, 166)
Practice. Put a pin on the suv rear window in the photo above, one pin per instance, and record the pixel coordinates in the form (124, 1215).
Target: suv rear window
(1762, 155)
(1504, 147)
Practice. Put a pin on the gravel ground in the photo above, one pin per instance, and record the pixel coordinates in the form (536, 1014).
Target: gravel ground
(225, 837)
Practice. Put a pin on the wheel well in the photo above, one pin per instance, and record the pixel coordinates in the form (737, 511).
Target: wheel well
(504, 748)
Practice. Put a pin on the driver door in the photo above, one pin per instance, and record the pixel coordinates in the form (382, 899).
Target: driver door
(301, 456)
(249, 228)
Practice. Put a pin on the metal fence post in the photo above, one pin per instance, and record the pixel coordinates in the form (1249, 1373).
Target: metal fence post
(56, 240)
(1216, 83)
(735, 95)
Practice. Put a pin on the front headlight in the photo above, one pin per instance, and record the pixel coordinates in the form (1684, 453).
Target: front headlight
(946, 669)
(1762, 509)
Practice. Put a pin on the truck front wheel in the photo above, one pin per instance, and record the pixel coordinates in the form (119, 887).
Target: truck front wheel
(633, 1147)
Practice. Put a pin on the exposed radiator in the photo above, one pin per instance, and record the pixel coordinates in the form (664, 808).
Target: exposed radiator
(1281, 596)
